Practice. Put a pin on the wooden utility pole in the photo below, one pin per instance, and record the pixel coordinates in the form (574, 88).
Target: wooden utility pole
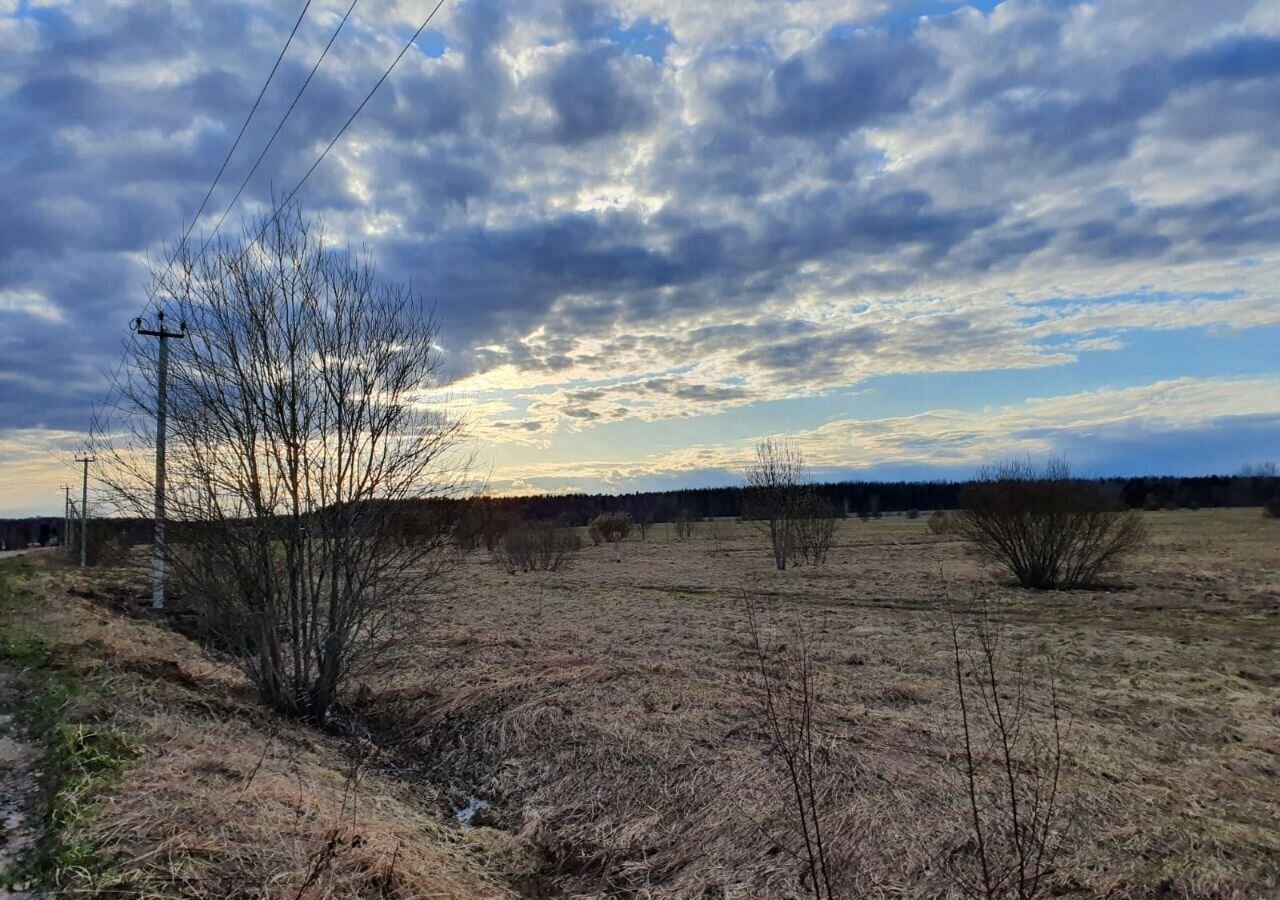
(84, 510)
(66, 519)
(162, 390)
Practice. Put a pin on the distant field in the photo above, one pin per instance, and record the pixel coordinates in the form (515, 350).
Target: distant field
(601, 724)
(609, 711)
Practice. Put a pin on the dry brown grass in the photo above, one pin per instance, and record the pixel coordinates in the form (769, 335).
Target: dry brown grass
(609, 712)
(228, 800)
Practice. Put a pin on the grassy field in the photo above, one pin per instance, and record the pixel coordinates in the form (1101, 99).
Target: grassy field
(610, 712)
(607, 720)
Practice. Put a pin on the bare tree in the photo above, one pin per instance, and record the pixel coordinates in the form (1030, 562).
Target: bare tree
(788, 702)
(1011, 766)
(645, 507)
(813, 529)
(1050, 529)
(774, 493)
(305, 452)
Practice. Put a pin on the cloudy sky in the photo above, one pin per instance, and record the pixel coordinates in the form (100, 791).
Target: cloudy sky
(912, 235)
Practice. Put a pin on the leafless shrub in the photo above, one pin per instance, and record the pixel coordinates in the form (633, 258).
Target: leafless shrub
(1272, 508)
(300, 452)
(788, 701)
(105, 548)
(941, 523)
(1049, 529)
(646, 507)
(813, 529)
(468, 525)
(684, 524)
(479, 521)
(775, 493)
(1011, 766)
(610, 527)
(496, 525)
(870, 509)
(538, 547)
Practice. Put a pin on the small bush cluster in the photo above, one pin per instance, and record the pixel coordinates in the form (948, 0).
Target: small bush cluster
(610, 527)
(1049, 528)
(684, 524)
(1271, 509)
(941, 523)
(538, 547)
(811, 533)
(480, 522)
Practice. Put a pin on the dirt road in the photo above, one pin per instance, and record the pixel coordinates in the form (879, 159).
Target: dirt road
(5, 554)
(18, 774)
(17, 788)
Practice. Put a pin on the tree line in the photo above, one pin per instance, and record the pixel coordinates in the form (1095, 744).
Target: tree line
(846, 498)
(853, 498)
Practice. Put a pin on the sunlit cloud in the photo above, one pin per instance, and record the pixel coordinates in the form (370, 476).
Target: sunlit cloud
(955, 443)
(646, 214)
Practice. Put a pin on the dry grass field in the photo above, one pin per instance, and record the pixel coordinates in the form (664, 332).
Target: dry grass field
(610, 712)
(608, 716)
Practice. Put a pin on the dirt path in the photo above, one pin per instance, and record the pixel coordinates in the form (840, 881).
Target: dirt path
(5, 554)
(17, 788)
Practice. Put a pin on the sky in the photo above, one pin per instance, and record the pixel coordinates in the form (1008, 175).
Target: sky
(911, 237)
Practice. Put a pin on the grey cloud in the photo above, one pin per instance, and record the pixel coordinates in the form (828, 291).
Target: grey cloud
(1240, 57)
(600, 91)
(747, 178)
(843, 82)
(847, 82)
(1107, 240)
(815, 356)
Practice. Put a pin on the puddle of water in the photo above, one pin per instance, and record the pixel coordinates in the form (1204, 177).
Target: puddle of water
(466, 815)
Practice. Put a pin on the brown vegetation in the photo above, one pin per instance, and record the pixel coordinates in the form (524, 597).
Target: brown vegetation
(780, 500)
(223, 798)
(1015, 805)
(812, 532)
(297, 440)
(537, 547)
(1048, 528)
(609, 528)
(610, 714)
(774, 491)
(941, 522)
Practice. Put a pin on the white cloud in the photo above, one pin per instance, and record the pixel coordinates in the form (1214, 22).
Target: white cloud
(30, 303)
(959, 441)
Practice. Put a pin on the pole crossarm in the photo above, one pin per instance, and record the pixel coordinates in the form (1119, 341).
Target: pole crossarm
(159, 331)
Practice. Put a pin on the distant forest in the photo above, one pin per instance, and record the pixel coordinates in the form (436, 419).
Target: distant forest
(847, 498)
(867, 498)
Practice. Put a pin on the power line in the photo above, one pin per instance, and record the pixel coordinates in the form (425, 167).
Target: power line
(279, 208)
(341, 131)
(227, 159)
(283, 120)
(266, 84)
(151, 291)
